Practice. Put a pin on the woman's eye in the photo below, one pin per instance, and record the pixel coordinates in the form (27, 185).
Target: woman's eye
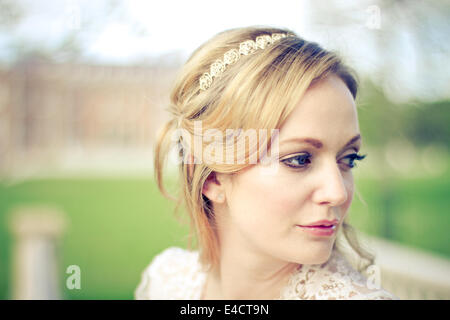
(299, 161)
(303, 160)
(352, 157)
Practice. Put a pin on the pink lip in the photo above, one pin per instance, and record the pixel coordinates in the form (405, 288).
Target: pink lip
(320, 228)
(321, 223)
(319, 231)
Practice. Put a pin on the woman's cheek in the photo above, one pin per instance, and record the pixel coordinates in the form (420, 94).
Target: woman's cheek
(264, 200)
(278, 198)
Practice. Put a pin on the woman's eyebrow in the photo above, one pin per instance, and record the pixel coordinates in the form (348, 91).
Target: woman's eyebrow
(317, 143)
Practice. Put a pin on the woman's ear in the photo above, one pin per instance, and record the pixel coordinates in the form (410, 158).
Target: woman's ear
(213, 189)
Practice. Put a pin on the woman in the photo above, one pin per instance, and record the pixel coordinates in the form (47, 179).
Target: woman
(266, 229)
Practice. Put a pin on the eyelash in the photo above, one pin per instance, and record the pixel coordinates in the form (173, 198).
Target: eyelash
(307, 156)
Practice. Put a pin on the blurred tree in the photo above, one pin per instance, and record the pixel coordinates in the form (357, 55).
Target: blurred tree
(429, 122)
(406, 48)
(380, 119)
(80, 24)
(11, 13)
(417, 121)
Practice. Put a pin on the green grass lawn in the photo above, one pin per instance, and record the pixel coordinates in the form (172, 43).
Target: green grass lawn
(411, 212)
(118, 225)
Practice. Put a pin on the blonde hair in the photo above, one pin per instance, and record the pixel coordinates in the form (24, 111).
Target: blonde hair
(259, 92)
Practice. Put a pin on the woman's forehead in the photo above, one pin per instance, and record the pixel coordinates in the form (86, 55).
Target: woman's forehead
(317, 143)
(327, 108)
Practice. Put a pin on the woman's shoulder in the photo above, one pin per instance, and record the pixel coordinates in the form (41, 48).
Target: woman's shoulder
(175, 273)
(171, 259)
(334, 279)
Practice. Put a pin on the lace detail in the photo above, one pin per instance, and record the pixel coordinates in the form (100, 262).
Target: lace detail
(335, 279)
(176, 273)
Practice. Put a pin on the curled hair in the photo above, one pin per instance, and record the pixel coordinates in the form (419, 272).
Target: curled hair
(269, 84)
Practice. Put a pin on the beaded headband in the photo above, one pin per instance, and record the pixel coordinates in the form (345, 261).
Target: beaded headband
(231, 56)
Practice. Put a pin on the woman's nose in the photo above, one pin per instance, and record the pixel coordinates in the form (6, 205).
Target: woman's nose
(332, 189)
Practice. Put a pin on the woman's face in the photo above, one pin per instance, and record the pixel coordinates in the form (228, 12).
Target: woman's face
(313, 182)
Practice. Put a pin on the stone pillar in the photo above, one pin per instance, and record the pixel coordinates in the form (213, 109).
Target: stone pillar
(35, 261)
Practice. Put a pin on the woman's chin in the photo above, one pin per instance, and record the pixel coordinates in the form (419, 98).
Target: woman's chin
(314, 256)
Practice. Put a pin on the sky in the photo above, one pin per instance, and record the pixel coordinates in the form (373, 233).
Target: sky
(139, 27)
(134, 30)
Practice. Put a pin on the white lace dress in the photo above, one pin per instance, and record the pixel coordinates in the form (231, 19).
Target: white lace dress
(176, 273)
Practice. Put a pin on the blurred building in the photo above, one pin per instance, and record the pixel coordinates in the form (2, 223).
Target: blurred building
(69, 115)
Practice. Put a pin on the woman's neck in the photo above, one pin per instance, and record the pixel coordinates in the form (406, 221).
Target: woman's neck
(247, 276)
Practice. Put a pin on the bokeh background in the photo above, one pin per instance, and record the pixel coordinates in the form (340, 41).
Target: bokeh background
(83, 87)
